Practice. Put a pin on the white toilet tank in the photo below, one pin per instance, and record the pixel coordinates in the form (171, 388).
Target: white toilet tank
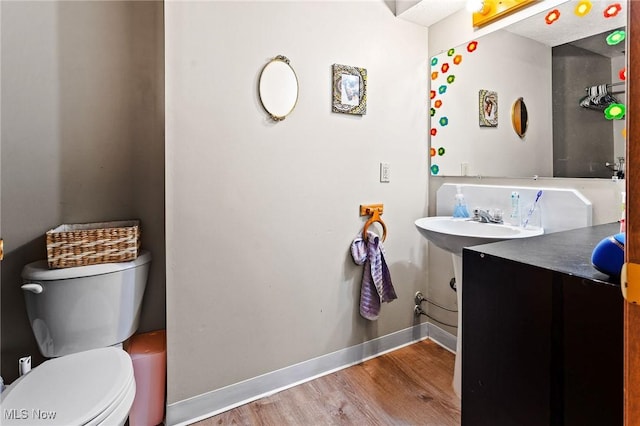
(86, 307)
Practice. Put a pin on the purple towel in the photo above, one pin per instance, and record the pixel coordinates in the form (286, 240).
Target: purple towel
(376, 279)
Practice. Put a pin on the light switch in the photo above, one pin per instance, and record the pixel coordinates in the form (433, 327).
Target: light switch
(384, 172)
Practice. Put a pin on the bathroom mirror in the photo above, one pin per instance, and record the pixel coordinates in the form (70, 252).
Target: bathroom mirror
(551, 66)
(278, 88)
(519, 117)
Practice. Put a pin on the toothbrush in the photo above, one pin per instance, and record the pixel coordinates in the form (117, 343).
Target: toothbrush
(533, 207)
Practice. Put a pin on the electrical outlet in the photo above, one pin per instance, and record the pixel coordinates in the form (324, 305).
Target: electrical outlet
(384, 172)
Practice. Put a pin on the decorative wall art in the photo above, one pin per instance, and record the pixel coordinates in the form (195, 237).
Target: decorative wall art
(446, 71)
(488, 108)
(349, 89)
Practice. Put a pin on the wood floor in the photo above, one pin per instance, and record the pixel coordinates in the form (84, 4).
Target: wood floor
(410, 386)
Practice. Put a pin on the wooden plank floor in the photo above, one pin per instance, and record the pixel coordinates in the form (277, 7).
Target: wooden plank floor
(409, 386)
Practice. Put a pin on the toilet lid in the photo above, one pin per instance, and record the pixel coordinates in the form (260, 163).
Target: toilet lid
(40, 271)
(70, 390)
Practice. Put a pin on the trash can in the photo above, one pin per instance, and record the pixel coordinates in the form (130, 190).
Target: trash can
(148, 352)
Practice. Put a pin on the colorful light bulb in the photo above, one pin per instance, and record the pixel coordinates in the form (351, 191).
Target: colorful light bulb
(615, 112)
(616, 37)
(622, 74)
(583, 8)
(612, 10)
(552, 16)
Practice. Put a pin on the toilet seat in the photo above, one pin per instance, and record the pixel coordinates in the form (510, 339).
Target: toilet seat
(121, 412)
(85, 388)
(118, 409)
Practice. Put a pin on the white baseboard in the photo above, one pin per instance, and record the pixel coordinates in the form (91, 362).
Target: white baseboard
(220, 400)
(443, 338)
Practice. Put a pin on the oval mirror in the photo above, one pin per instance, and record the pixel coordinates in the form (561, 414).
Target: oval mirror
(519, 117)
(278, 88)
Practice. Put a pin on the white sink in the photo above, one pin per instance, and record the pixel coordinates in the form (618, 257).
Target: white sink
(453, 234)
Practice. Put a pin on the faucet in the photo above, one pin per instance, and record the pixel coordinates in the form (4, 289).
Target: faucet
(617, 168)
(484, 216)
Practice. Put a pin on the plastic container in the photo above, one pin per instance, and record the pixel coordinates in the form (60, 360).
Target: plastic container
(514, 217)
(460, 207)
(148, 352)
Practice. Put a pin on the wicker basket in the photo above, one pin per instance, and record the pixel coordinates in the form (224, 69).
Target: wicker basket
(93, 243)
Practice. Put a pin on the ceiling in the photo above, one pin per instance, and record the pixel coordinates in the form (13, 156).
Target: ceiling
(569, 27)
(427, 12)
(597, 44)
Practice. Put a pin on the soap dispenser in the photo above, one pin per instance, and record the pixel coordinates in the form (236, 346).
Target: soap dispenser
(460, 207)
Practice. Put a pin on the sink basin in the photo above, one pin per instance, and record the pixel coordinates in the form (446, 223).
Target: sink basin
(453, 234)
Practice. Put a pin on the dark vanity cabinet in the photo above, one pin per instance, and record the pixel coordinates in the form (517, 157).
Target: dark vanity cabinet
(542, 333)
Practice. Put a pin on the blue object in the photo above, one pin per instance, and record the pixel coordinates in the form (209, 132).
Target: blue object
(608, 255)
(460, 208)
(461, 211)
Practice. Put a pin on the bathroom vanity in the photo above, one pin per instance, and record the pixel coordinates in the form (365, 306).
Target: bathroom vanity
(542, 333)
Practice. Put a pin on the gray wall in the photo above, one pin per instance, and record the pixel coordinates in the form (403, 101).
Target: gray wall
(582, 138)
(260, 215)
(82, 138)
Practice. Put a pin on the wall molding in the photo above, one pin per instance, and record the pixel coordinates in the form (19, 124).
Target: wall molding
(220, 400)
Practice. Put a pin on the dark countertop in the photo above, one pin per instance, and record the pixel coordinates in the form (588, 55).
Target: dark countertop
(568, 252)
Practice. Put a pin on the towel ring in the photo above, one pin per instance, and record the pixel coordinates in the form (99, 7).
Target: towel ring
(375, 217)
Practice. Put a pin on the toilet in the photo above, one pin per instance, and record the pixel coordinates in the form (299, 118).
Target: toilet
(80, 317)
(94, 387)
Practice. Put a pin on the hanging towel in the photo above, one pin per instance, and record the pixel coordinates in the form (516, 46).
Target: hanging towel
(376, 279)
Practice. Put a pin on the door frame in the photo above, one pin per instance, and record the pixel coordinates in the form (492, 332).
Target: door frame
(632, 251)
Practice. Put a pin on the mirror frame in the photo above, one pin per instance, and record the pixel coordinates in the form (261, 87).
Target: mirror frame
(264, 92)
(632, 245)
(519, 125)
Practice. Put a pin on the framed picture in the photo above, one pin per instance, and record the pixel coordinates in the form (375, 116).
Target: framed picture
(488, 108)
(349, 89)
